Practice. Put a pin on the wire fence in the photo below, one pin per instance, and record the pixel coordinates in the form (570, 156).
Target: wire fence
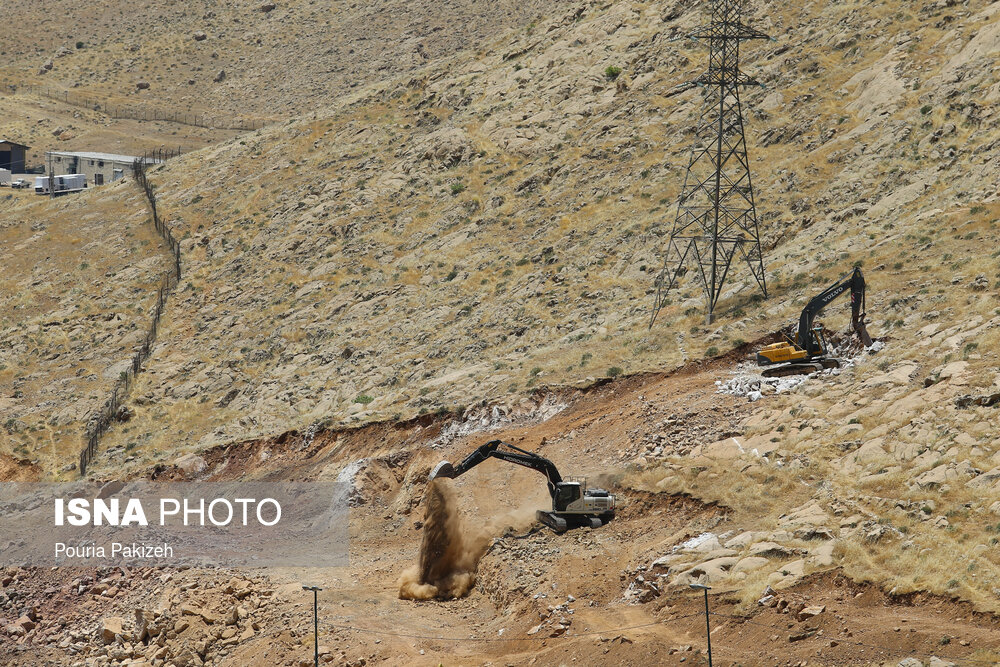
(103, 419)
(780, 629)
(494, 640)
(140, 112)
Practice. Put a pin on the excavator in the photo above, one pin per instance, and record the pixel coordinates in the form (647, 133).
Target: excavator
(573, 504)
(808, 351)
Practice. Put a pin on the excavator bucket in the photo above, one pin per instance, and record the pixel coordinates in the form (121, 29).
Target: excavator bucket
(443, 469)
(863, 334)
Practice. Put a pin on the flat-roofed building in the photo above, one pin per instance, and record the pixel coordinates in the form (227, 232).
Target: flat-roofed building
(99, 168)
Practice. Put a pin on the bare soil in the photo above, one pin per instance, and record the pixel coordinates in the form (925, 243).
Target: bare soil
(540, 598)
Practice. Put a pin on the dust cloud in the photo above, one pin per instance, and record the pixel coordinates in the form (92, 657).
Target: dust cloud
(449, 551)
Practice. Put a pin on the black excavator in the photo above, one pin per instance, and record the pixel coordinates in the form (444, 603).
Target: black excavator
(573, 504)
(808, 351)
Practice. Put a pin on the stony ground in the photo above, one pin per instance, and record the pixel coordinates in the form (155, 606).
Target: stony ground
(617, 595)
(249, 58)
(78, 285)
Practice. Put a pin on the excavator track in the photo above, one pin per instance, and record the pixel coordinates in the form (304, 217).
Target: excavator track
(800, 368)
(791, 369)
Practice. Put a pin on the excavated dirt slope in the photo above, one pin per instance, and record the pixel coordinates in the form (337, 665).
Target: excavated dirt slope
(612, 596)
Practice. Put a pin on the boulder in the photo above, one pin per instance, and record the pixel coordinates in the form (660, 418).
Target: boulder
(822, 555)
(749, 564)
(111, 627)
(192, 464)
(770, 550)
(788, 574)
(810, 612)
(721, 450)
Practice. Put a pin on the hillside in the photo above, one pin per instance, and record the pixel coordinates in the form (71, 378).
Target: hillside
(75, 295)
(278, 59)
(472, 246)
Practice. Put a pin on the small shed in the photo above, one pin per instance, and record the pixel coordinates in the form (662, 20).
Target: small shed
(12, 156)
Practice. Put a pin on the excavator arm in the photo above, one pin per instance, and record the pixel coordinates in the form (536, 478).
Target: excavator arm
(573, 505)
(807, 340)
(505, 452)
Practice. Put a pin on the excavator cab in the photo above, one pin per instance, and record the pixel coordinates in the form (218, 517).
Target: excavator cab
(566, 494)
(819, 339)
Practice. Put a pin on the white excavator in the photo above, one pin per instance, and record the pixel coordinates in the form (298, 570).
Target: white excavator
(573, 504)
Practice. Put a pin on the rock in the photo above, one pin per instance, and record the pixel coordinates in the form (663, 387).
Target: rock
(909, 662)
(810, 612)
(788, 574)
(267, 7)
(710, 571)
(220, 77)
(199, 36)
(822, 555)
(192, 464)
(749, 564)
(770, 550)
(26, 623)
(938, 662)
(729, 448)
(110, 627)
(142, 85)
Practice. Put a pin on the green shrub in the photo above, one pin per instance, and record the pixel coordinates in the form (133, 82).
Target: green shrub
(612, 72)
(614, 371)
(457, 188)
(363, 399)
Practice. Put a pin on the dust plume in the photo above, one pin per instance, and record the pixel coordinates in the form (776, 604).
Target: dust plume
(449, 552)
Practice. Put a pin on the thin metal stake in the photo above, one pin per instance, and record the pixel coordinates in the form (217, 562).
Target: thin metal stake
(708, 624)
(315, 590)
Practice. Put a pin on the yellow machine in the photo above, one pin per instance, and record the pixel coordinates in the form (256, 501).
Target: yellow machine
(809, 351)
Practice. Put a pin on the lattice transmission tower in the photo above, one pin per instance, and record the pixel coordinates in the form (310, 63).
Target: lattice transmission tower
(716, 214)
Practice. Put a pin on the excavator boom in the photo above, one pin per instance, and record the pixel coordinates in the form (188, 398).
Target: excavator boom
(493, 449)
(572, 505)
(856, 284)
(808, 351)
